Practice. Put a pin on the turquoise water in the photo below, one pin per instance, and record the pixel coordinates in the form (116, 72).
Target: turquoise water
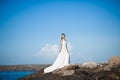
(13, 75)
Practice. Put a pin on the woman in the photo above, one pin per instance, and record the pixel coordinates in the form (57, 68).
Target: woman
(63, 57)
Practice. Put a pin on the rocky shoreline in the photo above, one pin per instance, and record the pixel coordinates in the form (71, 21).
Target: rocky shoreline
(85, 71)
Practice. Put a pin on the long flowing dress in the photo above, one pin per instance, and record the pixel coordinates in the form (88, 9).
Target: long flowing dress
(61, 61)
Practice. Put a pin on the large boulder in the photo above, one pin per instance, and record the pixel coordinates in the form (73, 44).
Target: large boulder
(89, 64)
(71, 67)
(108, 68)
(115, 60)
(67, 70)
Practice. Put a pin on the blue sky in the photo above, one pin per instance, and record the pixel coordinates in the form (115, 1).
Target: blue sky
(30, 30)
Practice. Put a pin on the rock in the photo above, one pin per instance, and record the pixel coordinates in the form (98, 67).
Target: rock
(68, 72)
(89, 65)
(71, 67)
(115, 60)
(79, 65)
(63, 72)
(57, 71)
(108, 68)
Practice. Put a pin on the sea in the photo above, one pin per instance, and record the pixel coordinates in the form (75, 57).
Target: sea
(13, 75)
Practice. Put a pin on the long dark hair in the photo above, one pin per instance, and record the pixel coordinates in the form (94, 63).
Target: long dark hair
(62, 34)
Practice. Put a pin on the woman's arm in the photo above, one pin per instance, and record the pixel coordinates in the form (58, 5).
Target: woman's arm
(60, 45)
(67, 48)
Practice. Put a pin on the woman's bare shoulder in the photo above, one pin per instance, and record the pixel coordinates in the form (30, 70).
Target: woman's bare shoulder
(62, 40)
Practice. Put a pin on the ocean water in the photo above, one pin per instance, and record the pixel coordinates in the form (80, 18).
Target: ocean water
(13, 75)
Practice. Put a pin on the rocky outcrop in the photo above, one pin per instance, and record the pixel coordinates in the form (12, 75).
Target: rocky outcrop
(67, 70)
(76, 72)
(89, 64)
(108, 68)
(85, 71)
(115, 60)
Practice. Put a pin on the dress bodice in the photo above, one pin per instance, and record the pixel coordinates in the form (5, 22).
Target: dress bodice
(64, 42)
(64, 46)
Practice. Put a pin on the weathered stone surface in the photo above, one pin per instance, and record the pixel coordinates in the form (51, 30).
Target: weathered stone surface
(71, 67)
(115, 60)
(68, 72)
(65, 70)
(89, 65)
(108, 68)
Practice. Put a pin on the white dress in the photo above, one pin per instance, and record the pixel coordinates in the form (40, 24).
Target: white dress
(61, 61)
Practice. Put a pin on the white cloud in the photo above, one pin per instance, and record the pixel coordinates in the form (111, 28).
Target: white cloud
(50, 51)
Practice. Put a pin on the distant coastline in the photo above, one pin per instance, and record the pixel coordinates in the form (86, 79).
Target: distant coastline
(25, 67)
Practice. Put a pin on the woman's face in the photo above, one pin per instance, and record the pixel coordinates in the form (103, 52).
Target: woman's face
(62, 36)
